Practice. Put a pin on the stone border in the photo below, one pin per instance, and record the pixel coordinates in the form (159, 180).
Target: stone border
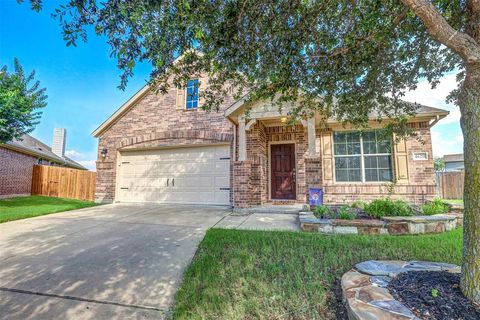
(387, 225)
(365, 291)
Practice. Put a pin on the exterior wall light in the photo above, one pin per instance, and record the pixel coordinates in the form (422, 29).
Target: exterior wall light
(104, 153)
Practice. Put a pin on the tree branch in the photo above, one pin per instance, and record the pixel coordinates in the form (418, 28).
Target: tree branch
(371, 37)
(441, 31)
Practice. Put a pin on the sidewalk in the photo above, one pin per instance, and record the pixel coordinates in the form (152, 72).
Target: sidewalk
(261, 221)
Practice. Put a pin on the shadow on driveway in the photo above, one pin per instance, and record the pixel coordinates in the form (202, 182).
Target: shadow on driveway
(112, 261)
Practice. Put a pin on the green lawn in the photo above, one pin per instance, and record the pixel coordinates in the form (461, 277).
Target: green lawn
(287, 275)
(27, 207)
(454, 201)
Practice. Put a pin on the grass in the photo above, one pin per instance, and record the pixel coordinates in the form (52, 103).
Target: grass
(287, 275)
(27, 207)
(454, 201)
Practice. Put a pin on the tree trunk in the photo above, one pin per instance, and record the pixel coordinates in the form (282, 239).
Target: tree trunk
(469, 102)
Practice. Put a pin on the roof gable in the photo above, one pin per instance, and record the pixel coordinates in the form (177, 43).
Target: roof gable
(29, 145)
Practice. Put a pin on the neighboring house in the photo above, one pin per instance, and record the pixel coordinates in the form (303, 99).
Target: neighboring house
(18, 157)
(164, 148)
(454, 162)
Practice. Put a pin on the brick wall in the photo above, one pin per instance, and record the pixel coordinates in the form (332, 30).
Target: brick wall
(252, 181)
(154, 121)
(15, 172)
(420, 186)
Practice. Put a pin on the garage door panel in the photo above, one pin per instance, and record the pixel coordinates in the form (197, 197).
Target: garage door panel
(194, 175)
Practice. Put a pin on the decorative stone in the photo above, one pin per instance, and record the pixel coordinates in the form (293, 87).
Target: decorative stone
(345, 230)
(398, 228)
(309, 227)
(416, 228)
(354, 279)
(393, 306)
(372, 293)
(436, 227)
(325, 228)
(380, 281)
(380, 268)
(365, 290)
(304, 213)
(389, 225)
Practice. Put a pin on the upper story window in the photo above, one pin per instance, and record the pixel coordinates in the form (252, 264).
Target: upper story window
(362, 157)
(192, 94)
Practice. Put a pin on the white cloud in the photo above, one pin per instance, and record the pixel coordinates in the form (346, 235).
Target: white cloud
(446, 142)
(74, 154)
(89, 164)
(86, 160)
(425, 95)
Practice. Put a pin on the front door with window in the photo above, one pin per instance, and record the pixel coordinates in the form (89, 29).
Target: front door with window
(283, 171)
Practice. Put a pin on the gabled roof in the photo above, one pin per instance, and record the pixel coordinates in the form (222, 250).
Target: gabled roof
(421, 110)
(130, 103)
(31, 146)
(453, 157)
(121, 111)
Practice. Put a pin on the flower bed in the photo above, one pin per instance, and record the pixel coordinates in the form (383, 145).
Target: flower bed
(370, 291)
(382, 216)
(386, 225)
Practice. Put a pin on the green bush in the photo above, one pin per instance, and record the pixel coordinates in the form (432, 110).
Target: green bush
(342, 212)
(345, 212)
(359, 204)
(321, 211)
(386, 207)
(436, 206)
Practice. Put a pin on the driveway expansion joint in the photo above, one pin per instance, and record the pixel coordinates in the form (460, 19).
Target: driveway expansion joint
(58, 296)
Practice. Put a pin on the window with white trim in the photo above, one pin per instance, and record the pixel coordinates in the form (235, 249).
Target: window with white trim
(362, 157)
(192, 94)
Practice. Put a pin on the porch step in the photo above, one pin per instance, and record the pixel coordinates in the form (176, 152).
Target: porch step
(280, 209)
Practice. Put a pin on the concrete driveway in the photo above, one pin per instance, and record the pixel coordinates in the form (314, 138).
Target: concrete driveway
(121, 261)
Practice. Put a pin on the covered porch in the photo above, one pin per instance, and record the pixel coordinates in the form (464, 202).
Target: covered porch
(275, 163)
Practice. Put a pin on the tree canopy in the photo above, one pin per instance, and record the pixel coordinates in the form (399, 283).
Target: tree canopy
(344, 58)
(358, 54)
(19, 102)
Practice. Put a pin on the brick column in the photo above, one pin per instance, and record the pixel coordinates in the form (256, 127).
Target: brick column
(313, 170)
(241, 184)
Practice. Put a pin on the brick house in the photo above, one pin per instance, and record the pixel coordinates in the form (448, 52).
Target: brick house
(18, 157)
(164, 148)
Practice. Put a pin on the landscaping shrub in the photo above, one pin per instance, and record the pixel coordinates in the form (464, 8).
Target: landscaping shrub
(359, 204)
(342, 212)
(386, 207)
(321, 211)
(436, 206)
(345, 212)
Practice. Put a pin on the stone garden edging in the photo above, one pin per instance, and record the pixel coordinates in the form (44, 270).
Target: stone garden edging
(365, 291)
(387, 225)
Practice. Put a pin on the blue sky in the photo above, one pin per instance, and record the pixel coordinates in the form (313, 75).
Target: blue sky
(82, 82)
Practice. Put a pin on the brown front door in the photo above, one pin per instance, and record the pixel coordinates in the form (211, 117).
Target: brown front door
(283, 171)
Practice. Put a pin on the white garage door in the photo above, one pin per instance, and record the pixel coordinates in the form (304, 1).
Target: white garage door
(193, 175)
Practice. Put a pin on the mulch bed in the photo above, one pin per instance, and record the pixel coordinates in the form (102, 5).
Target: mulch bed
(416, 290)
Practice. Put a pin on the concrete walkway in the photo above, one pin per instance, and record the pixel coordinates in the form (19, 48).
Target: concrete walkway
(120, 261)
(261, 221)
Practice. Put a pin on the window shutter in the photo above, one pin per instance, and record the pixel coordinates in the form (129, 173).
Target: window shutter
(180, 99)
(202, 86)
(401, 162)
(327, 160)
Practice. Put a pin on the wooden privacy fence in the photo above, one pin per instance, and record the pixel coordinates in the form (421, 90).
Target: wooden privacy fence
(63, 182)
(450, 184)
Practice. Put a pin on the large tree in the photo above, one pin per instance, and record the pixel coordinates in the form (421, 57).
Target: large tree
(20, 100)
(360, 56)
